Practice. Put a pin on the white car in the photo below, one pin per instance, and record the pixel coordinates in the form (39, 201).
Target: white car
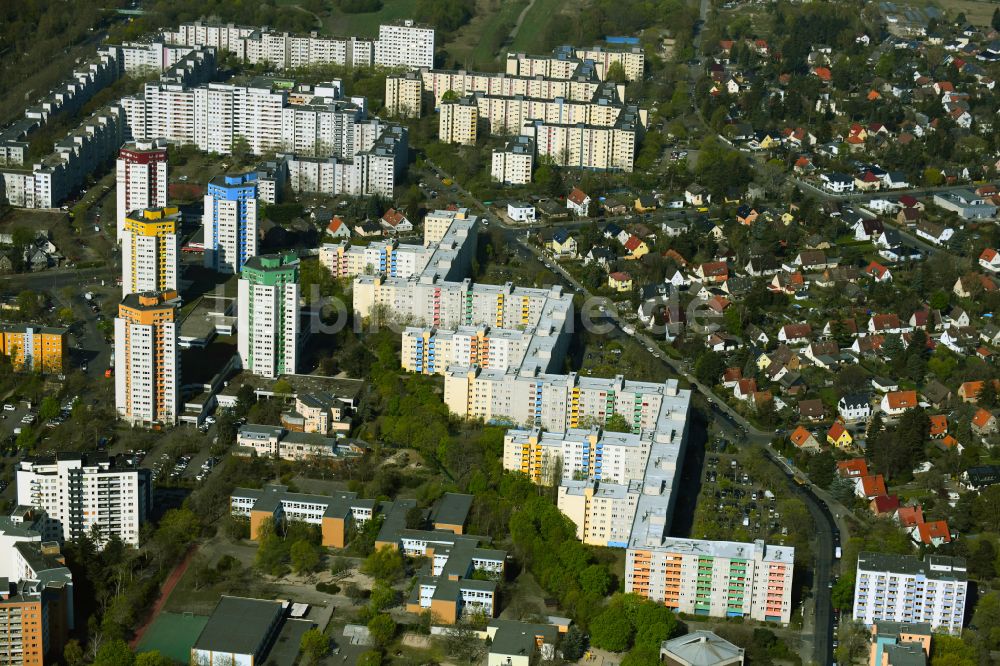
(8, 407)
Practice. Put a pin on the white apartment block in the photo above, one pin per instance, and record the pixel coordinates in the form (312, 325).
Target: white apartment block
(458, 121)
(714, 578)
(437, 82)
(566, 62)
(141, 58)
(577, 453)
(632, 60)
(588, 146)
(433, 351)
(268, 315)
(140, 178)
(602, 512)
(81, 494)
(401, 44)
(404, 95)
(404, 44)
(147, 376)
(558, 402)
(513, 164)
(903, 588)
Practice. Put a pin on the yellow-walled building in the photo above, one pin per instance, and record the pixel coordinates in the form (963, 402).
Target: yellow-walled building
(34, 348)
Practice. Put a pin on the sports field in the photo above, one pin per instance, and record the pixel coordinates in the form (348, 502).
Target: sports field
(173, 634)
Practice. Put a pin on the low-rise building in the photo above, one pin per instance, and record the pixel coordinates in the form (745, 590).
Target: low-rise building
(276, 442)
(700, 648)
(520, 643)
(240, 631)
(899, 644)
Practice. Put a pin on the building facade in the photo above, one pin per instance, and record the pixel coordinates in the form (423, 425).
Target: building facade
(230, 220)
(458, 121)
(141, 178)
(150, 242)
(85, 495)
(904, 588)
(404, 95)
(715, 578)
(34, 348)
(268, 325)
(514, 163)
(36, 592)
(148, 373)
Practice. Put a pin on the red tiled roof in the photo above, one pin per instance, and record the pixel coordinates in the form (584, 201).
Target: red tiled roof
(633, 243)
(873, 485)
(981, 418)
(902, 399)
(836, 430)
(988, 254)
(937, 529)
(393, 217)
(800, 436)
(852, 469)
(885, 504)
(335, 224)
(910, 516)
(577, 196)
(620, 276)
(939, 425)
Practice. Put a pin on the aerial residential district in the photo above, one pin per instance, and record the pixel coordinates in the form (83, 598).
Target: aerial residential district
(399, 332)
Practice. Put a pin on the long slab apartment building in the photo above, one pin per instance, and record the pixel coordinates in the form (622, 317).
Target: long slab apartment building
(47, 182)
(330, 144)
(403, 43)
(560, 101)
(447, 588)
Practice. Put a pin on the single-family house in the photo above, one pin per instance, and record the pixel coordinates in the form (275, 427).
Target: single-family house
(395, 221)
(620, 281)
(796, 334)
(744, 388)
(837, 183)
(855, 468)
(578, 201)
(562, 244)
(869, 487)
(884, 506)
(697, 195)
(519, 211)
(812, 409)
(895, 403)
(600, 255)
(839, 436)
(337, 229)
(868, 230)
(933, 533)
(804, 440)
(935, 233)
(983, 422)
(636, 247)
(939, 426)
(878, 272)
(990, 260)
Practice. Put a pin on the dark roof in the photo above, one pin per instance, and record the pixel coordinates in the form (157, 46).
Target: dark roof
(930, 566)
(239, 625)
(451, 509)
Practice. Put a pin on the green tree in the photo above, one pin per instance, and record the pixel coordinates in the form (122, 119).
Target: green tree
(114, 653)
(153, 658)
(382, 596)
(382, 629)
(611, 630)
(616, 73)
(982, 561)
(48, 409)
(842, 595)
(595, 579)
(709, 367)
(73, 653)
(304, 556)
(314, 646)
(617, 423)
(386, 564)
(573, 644)
(821, 469)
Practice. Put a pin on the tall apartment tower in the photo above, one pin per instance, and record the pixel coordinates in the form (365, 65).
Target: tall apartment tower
(36, 591)
(150, 246)
(230, 221)
(268, 321)
(148, 380)
(405, 44)
(82, 493)
(141, 178)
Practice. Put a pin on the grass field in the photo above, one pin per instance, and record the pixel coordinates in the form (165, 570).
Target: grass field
(530, 36)
(173, 634)
(479, 45)
(977, 12)
(364, 25)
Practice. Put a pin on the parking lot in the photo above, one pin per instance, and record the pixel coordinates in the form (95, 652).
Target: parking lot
(734, 505)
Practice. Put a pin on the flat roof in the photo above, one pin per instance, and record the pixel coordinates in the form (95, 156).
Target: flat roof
(937, 567)
(239, 625)
(452, 509)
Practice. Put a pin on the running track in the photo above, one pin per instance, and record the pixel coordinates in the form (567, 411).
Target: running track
(168, 586)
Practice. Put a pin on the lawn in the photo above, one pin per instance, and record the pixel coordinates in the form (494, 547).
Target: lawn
(531, 36)
(340, 24)
(977, 12)
(479, 45)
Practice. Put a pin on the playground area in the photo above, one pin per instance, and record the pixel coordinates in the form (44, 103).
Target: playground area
(173, 634)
